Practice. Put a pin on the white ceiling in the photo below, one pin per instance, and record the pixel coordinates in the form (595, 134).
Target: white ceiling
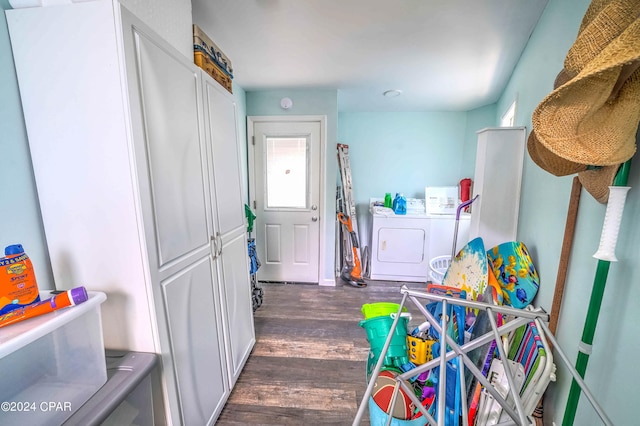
(445, 55)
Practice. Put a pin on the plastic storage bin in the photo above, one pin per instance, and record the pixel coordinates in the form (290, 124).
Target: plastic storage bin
(52, 364)
(127, 398)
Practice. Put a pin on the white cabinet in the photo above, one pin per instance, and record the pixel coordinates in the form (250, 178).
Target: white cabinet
(497, 181)
(136, 166)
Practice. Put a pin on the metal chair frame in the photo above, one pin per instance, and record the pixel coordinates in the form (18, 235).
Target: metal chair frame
(520, 317)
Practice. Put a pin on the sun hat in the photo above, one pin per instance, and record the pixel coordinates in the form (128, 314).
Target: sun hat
(591, 116)
(603, 21)
(597, 181)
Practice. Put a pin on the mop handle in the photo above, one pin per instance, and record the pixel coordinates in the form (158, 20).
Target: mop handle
(455, 231)
(597, 294)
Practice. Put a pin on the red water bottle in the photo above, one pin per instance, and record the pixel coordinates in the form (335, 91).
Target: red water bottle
(465, 191)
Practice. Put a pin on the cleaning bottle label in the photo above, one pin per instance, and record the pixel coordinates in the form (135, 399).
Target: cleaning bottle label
(400, 206)
(18, 285)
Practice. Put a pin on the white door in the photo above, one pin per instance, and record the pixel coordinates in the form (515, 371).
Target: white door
(286, 182)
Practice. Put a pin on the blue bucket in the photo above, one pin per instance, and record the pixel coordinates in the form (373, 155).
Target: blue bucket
(378, 417)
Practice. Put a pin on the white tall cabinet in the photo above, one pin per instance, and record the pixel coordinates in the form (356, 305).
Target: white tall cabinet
(497, 181)
(136, 163)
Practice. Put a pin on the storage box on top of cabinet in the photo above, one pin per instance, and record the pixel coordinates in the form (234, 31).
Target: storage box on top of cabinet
(202, 43)
(52, 364)
(204, 61)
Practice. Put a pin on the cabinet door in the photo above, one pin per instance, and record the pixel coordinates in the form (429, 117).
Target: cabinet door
(220, 109)
(171, 167)
(171, 158)
(236, 297)
(196, 342)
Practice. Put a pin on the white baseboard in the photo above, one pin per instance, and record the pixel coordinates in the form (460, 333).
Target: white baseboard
(331, 282)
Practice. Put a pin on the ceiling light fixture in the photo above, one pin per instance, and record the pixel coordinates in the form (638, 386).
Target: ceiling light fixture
(392, 93)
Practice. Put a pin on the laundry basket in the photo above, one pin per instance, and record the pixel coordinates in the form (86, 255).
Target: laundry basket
(438, 266)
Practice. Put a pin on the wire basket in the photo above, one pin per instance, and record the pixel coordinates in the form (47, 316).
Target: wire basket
(439, 266)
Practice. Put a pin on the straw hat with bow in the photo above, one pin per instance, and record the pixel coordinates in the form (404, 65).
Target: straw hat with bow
(588, 123)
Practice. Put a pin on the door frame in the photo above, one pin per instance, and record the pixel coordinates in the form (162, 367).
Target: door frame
(251, 145)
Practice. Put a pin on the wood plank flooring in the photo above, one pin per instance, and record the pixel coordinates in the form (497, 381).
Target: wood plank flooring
(308, 364)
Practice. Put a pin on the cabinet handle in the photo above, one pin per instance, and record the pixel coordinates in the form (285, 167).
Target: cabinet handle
(220, 244)
(214, 240)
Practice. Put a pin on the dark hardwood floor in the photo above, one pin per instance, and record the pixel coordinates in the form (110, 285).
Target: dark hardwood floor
(308, 364)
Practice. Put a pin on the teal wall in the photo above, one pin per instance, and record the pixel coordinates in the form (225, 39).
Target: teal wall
(402, 152)
(477, 119)
(611, 374)
(20, 220)
(310, 102)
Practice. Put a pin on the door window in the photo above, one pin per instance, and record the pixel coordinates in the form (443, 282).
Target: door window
(287, 168)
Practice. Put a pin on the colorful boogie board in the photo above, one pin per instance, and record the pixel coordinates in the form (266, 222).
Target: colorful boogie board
(514, 270)
(468, 271)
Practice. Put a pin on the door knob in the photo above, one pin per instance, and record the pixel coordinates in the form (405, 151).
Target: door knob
(314, 207)
(314, 218)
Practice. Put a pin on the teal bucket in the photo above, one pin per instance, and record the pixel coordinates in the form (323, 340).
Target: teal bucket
(377, 417)
(377, 331)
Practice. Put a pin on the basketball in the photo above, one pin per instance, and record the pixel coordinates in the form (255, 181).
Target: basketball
(383, 391)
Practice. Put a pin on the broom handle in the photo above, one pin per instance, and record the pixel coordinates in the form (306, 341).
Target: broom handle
(567, 243)
(563, 266)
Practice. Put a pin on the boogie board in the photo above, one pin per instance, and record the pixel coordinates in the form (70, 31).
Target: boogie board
(514, 270)
(468, 271)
